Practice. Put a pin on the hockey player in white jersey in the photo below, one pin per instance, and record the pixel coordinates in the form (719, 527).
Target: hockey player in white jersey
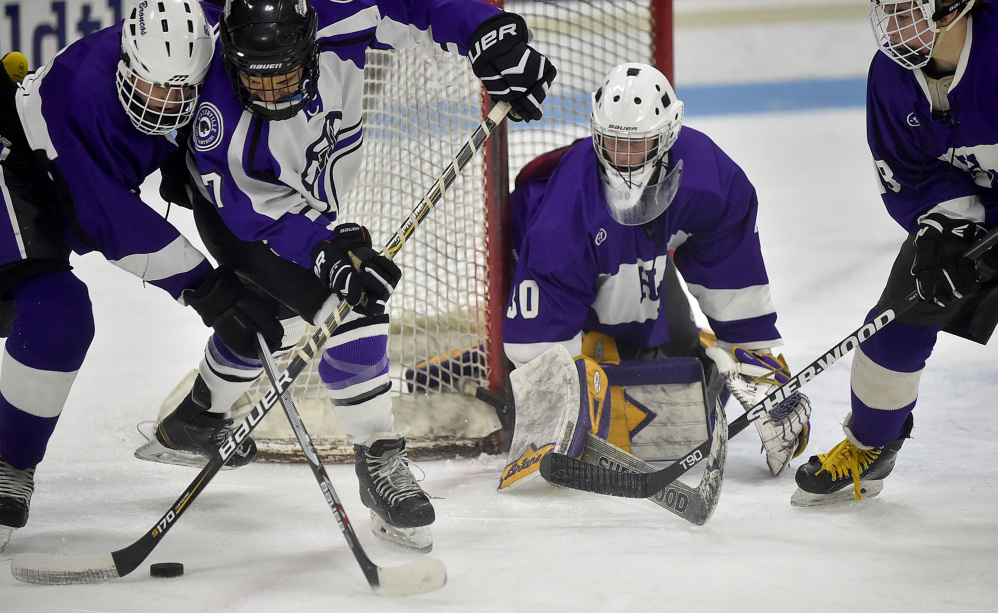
(278, 141)
(593, 226)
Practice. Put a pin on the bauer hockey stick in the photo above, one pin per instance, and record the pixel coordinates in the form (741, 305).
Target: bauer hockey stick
(570, 472)
(55, 569)
(407, 580)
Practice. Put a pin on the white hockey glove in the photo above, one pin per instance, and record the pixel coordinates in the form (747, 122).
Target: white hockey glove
(750, 377)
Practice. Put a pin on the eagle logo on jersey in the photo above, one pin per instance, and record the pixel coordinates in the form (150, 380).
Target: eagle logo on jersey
(980, 161)
(317, 159)
(207, 127)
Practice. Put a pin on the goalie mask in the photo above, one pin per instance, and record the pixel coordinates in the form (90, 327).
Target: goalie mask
(635, 122)
(907, 30)
(166, 49)
(270, 54)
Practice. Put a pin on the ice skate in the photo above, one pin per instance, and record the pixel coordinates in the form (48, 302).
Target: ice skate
(400, 511)
(16, 487)
(825, 478)
(190, 436)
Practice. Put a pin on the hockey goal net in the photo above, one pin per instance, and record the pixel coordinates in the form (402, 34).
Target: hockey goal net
(447, 312)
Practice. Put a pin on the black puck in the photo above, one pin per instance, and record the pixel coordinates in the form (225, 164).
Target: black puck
(166, 569)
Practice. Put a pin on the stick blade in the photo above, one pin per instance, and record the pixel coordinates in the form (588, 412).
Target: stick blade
(567, 471)
(52, 569)
(411, 579)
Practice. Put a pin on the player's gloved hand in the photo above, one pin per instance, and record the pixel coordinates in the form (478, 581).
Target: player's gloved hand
(510, 69)
(941, 273)
(175, 184)
(235, 312)
(751, 376)
(354, 271)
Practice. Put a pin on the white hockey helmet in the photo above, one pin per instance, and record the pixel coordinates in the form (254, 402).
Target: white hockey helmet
(166, 49)
(907, 30)
(636, 120)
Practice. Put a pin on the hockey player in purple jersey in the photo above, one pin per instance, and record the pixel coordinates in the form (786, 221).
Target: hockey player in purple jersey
(932, 129)
(593, 226)
(277, 143)
(78, 139)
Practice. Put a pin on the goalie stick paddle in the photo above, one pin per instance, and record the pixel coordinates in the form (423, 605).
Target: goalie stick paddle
(408, 580)
(55, 569)
(695, 505)
(570, 472)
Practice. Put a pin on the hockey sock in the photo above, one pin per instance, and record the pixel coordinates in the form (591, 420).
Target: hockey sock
(354, 369)
(48, 341)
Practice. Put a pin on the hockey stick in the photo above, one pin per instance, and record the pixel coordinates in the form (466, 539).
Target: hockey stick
(54, 569)
(695, 505)
(408, 580)
(568, 471)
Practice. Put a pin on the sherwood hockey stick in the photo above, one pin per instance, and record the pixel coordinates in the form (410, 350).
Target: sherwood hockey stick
(54, 569)
(567, 471)
(408, 580)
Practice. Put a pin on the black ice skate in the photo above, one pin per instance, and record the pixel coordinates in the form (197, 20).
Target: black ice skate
(824, 479)
(400, 511)
(190, 436)
(16, 487)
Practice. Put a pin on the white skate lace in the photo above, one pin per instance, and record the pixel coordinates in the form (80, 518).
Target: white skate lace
(16, 483)
(393, 479)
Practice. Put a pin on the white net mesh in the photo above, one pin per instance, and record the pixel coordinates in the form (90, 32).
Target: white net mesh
(421, 105)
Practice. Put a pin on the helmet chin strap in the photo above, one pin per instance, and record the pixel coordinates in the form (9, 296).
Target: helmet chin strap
(941, 32)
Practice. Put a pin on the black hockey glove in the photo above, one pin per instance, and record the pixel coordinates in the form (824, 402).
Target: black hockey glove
(510, 69)
(942, 274)
(236, 312)
(355, 272)
(175, 184)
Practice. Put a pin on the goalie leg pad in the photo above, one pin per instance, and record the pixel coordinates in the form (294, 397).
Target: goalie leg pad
(546, 392)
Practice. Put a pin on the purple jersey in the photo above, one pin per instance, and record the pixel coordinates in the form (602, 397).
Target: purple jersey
(947, 162)
(70, 111)
(282, 181)
(578, 269)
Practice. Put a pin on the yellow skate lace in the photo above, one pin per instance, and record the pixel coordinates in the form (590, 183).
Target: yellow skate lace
(845, 459)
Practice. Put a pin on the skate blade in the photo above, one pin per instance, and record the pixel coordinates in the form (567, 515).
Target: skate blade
(868, 489)
(153, 451)
(5, 532)
(418, 539)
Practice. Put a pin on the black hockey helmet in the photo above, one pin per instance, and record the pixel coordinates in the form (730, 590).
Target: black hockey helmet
(270, 54)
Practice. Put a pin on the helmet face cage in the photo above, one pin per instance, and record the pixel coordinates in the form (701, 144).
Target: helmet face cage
(636, 120)
(273, 66)
(907, 30)
(166, 50)
(155, 108)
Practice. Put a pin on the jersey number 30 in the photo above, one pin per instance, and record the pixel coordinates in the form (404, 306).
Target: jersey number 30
(525, 300)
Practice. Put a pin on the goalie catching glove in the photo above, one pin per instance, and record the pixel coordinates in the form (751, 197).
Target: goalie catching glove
(510, 69)
(750, 376)
(235, 312)
(358, 274)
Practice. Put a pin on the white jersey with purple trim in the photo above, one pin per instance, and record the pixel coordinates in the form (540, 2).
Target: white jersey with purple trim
(282, 181)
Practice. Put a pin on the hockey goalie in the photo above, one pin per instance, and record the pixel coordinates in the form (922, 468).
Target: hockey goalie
(602, 230)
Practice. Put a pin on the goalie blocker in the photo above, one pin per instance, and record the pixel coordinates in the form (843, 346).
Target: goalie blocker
(656, 410)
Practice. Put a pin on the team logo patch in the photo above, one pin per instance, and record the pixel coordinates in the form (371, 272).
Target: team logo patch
(207, 127)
